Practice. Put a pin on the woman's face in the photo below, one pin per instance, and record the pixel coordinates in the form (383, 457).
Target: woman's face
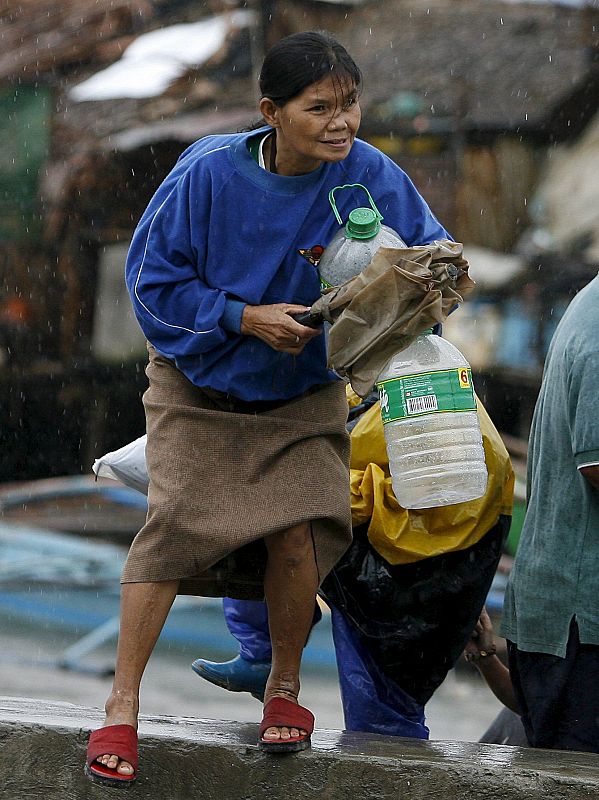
(319, 124)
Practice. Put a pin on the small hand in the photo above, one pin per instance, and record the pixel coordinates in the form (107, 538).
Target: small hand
(275, 326)
(482, 641)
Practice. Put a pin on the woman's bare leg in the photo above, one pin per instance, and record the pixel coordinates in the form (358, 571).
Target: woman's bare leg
(290, 585)
(144, 608)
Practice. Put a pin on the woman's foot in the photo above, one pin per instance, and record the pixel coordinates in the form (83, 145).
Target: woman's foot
(288, 689)
(286, 726)
(121, 709)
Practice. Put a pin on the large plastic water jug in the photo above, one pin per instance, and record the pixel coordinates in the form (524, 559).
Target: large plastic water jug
(432, 431)
(353, 246)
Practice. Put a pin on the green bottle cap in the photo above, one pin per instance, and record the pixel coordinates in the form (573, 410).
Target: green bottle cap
(427, 332)
(362, 223)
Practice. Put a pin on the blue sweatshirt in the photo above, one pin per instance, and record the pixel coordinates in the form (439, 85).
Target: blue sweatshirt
(221, 232)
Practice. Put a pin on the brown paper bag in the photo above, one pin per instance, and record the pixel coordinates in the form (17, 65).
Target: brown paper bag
(401, 293)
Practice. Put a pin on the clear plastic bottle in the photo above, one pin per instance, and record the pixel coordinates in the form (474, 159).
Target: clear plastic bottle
(432, 431)
(353, 247)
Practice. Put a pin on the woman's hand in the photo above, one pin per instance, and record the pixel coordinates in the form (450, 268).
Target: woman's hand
(274, 325)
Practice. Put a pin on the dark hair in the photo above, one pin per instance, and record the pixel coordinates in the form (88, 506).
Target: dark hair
(299, 60)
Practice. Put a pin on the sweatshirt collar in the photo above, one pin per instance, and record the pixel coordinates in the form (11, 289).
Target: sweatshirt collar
(281, 184)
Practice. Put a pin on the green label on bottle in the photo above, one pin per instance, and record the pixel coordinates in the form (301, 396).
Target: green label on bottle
(437, 392)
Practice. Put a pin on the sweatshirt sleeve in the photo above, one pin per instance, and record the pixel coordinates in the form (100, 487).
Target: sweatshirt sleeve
(178, 312)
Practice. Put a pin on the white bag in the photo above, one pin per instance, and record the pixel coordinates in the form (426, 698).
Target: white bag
(127, 465)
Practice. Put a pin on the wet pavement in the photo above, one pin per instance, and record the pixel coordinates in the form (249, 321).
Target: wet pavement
(460, 710)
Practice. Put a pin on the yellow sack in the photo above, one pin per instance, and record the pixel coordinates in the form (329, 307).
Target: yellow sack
(402, 536)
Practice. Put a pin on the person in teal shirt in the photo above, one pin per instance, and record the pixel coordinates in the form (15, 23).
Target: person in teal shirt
(551, 610)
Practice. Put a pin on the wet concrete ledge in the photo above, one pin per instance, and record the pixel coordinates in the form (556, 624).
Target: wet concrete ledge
(42, 749)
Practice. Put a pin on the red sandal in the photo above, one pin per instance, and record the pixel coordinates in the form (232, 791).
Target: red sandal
(118, 740)
(279, 713)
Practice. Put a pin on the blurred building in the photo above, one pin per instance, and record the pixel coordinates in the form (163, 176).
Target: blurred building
(476, 100)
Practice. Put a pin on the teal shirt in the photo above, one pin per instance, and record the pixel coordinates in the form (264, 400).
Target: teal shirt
(556, 571)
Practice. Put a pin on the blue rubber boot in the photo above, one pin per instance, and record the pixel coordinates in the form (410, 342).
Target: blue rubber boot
(237, 675)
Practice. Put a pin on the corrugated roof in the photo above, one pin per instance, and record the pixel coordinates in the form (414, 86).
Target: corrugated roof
(184, 128)
(154, 60)
(511, 63)
(38, 36)
(508, 63)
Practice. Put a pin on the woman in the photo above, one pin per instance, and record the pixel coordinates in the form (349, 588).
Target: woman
(247, 451)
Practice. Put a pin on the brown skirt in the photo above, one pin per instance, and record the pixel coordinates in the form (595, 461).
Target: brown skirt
(222, 480)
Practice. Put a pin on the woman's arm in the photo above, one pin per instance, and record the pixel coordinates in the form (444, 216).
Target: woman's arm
(178, 312)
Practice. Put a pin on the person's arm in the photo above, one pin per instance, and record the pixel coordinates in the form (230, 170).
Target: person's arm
(180, 314)
(481, 651)
(583, 385)
(591, 473)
